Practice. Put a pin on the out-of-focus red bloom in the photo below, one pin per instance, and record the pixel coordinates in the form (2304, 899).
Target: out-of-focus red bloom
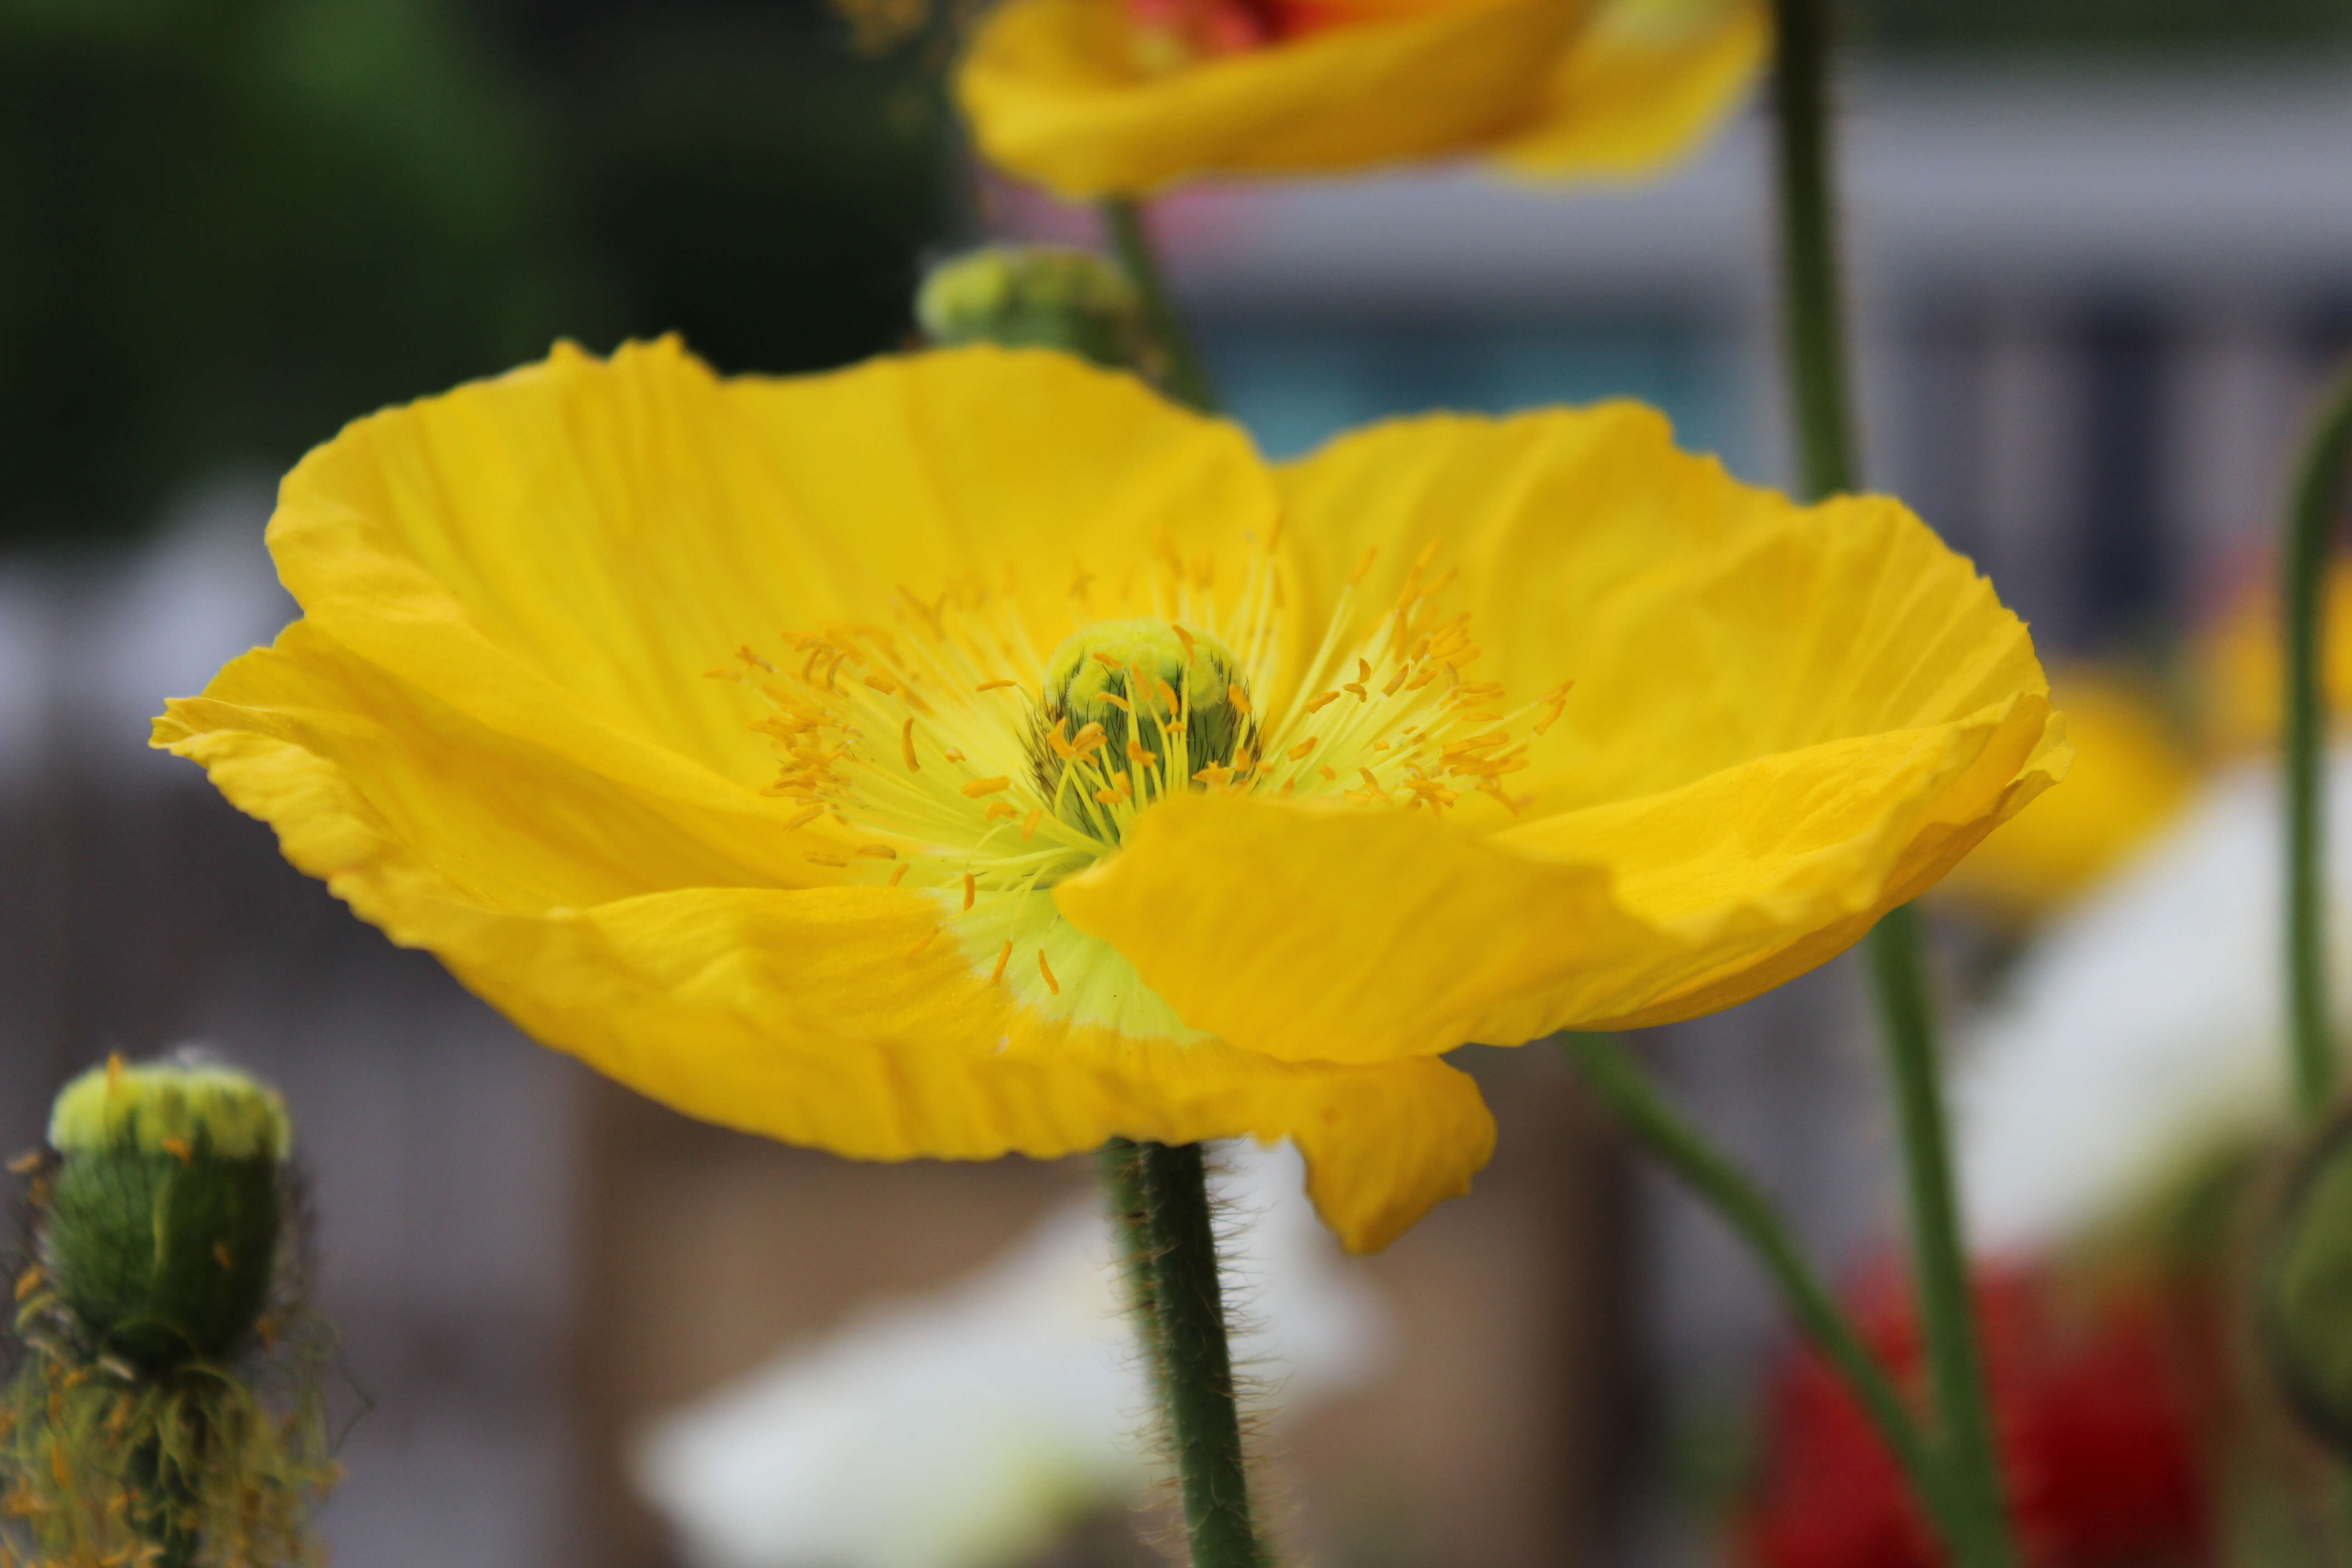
(2098, 1446)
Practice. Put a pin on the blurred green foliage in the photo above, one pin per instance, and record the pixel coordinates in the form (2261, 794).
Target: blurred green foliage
(228, 226)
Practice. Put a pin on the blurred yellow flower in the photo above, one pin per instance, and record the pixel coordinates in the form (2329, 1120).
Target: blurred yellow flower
(2240, 674)
(1098, 98)
(1078, 773)
(2131, 774)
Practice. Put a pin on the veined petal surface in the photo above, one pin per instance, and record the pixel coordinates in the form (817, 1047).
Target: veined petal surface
(1785, 720)
(797, 1013)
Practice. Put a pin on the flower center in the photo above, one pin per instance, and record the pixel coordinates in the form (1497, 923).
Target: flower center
(938, 751)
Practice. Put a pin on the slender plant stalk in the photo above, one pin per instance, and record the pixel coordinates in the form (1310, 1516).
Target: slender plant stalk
(1181, 374)
(1977, 1529)
(1947, 1318)
(1195, 1367)
(1647, 1113)
(2313, 526)
(1171, 1254)
(1120, 1162)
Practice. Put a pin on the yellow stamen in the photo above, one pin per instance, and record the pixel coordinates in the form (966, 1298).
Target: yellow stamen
(1002, 958)
(994, 685)
(1029, 823)
(1320, 701)
(1239, 698)
(1000, 809)
(970, 888)
(1299, 751)
(878, 852)
(907, 747)
(979, 787)
(804, 817)
(883, 684)
(1047, 970)
(897, 873)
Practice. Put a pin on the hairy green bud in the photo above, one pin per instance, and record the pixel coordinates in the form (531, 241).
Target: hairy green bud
(169, 1409)
(2306, 1301)
(1035, 296)
(160, 1229)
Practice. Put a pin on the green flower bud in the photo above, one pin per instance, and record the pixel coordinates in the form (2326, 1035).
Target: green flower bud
(161, 1228)
(168, 1408)
(2306, 1301)
(1035, 297)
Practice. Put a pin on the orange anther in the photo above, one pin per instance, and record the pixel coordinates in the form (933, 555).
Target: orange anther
(1002, 958)
(898, 874)
(907, 746)
(979, 787)
(1239, 698)
(1047, 970)
(1300, 749)
(1320, 701)
(994, 685)
(1029, 823)
(883, 684)
(878, 852)
(970, 888)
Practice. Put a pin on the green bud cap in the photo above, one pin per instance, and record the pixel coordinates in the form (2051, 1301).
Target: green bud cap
(2305, 1305)
(1035, 296)
(1142, 664)
(160, 1228)
(161, 1106)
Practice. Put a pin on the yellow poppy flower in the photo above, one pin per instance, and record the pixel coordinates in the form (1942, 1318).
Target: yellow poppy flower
(2132, 774)
(1097, 97)
(1068, 772)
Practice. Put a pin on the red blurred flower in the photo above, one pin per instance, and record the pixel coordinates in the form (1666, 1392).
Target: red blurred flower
(2098, 1444)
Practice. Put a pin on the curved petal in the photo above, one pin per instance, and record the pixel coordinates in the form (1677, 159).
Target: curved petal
(2131, 776)
(1705, 623)
(817, 1015)
(1053, 96)
(1414, 936)
(561, 553)
(1644, 82)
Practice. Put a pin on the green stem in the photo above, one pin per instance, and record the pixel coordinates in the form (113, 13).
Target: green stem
(1182, 374)
(1947, 1318)
(2312, 529)
(1978, 1528)
(1120, 1162)
(1667, 1135)
(1195, 1366)
(1812, 292)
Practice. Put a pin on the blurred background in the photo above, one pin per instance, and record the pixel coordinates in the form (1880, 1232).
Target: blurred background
(2102, 253)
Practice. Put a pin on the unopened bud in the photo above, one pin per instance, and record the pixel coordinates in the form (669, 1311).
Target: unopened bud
(161, 1228)
(1035, 296)
(2306, 1307)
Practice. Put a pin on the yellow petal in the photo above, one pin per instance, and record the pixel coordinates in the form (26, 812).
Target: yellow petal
(2131, 774)
(1785, 720)
(1705, 623)
(1368, 936)
(564, 553)
(2238, 674)
(798, 1014)
(1640, 85)
(1054, 95)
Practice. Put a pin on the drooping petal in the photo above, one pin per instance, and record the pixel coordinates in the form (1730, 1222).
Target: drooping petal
(818, 1015)
(2131, 776)
(1414, 936)
(1647, 79)
(564, 553)
(1054, 95)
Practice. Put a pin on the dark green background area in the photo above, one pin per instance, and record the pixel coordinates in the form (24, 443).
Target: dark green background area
(228, 226)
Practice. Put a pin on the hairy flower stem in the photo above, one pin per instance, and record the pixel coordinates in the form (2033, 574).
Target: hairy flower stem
(2313, 526)
(1647, 1114)
(1120, 1163)
(1194, 1367)
(1181, 375)
(1976, 1524)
